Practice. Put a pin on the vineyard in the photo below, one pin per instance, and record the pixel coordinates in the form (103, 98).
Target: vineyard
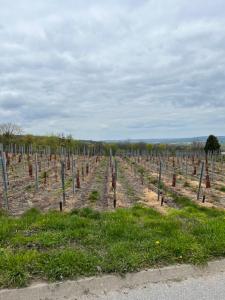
(68, 179)
(90, 212)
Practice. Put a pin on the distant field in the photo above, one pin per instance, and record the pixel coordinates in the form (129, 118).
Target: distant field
(184, 141)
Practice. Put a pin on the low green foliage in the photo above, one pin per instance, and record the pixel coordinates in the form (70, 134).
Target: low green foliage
(152, 180)
(187, 184)
(68, 183)
(94, 196)
(57, 246)
(30, 188)
(222, 189)
(141, 170)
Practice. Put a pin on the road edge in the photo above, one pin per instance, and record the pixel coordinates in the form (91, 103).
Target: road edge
(107, 283)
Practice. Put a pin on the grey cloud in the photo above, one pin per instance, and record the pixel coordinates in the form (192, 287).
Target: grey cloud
(11, 104)
(109, 69)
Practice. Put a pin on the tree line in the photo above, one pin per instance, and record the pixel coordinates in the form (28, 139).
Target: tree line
(13, 134)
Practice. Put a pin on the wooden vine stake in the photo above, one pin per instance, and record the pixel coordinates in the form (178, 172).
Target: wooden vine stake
(63, 181)
(207, 182)
(114, 179)
(186, 168)
(73, 175)
(78, 179)
(55, 169)
(87, 169)
(207, 179)
(82, 171)
(200, 181)
(39, 166)
(4, 180)
(203, 198)
(110, 154)
(162, 198)
(159, 179)
(195, 171)
(174, 180)
(45, 177)
(5, 168)
(212, 168)
(60, 205)
(36, 173)
(30, 168)
(68, 162)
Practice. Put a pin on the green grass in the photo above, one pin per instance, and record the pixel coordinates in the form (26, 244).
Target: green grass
(58, 246)
(222, 189)
(152, 180)
(94, 196)
(44, 174)
(30, 188)
(68, 183)
(187, 184)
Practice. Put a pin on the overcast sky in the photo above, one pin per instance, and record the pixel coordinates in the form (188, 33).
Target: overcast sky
(113, 69)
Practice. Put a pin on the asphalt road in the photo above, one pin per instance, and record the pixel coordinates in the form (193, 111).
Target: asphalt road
(208, 288)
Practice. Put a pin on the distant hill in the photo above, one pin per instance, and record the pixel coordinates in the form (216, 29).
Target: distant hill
(168, 141)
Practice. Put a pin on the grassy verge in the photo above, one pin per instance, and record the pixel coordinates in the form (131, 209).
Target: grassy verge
(58, 246)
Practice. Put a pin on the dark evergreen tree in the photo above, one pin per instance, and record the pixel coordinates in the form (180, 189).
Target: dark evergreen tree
(212, 144)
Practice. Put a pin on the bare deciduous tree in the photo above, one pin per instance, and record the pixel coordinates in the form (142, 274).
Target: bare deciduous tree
(10, 129)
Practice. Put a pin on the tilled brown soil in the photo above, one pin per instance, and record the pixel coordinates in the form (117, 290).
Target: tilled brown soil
(214, 197)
